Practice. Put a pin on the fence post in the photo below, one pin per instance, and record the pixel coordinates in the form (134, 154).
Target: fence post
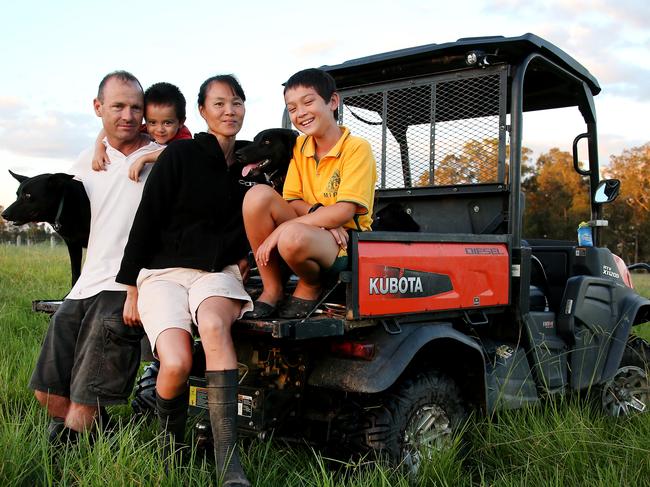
(18, 241)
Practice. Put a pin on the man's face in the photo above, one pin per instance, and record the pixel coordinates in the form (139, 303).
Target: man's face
(121, 110)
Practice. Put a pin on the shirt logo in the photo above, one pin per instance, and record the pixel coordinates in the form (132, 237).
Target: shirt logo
(332, 188)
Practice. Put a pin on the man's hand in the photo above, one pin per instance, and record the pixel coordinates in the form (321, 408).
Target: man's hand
(130, 314)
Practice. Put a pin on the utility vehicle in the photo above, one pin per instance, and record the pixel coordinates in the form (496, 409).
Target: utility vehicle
(465, 314)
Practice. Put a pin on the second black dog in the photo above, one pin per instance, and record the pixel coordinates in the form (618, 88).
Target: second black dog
(60, 201)
(394, 218)
(266, 159)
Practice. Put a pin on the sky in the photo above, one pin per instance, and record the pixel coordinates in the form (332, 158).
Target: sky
(55, 53)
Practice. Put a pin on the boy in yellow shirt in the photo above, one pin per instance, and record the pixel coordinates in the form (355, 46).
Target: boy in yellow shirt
(329, 190)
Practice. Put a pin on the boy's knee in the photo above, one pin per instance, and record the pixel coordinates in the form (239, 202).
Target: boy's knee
(293, 242)
(259, 197)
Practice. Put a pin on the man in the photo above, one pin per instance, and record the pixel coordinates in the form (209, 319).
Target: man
(91, 355)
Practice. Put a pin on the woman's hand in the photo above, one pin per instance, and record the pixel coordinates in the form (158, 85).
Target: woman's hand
(130, 314)
(244, 268)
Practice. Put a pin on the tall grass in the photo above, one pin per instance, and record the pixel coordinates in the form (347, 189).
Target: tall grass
(566, 442)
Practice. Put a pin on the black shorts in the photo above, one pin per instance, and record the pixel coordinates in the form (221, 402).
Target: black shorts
(89, 355)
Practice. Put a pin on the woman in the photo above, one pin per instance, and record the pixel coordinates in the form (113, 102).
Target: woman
(184, 252)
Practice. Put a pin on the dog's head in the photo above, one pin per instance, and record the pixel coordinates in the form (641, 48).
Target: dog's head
(268, 154)
(393, 217)
(37, 198)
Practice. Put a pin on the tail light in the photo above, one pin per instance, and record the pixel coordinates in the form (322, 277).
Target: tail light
(364, 351)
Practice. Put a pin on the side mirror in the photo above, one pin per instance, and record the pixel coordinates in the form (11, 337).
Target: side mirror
(607, 191)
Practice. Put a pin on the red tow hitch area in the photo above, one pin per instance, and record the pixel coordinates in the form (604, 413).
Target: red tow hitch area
(396, 277)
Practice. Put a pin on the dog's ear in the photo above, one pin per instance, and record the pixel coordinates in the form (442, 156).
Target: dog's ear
(18, 177)
(59, 179)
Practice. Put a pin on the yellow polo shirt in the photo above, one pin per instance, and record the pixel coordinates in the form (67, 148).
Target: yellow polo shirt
(347, 173)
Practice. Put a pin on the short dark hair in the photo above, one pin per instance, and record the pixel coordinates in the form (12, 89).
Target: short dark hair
(319, 80)
(123, 76)
(228, 79)
(166, 94)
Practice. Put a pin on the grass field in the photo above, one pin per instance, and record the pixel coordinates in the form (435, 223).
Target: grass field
(564, 443)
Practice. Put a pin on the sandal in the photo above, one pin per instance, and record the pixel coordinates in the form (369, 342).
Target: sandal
(296, 308)
(260, 310)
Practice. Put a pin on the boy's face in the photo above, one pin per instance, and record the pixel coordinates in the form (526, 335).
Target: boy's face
(162, 124)
(309, 112)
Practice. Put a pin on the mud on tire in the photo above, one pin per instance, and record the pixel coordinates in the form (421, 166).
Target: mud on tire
(422, 412)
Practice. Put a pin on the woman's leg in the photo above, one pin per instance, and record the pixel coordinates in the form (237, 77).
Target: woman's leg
(264, 210)
(215, 317)
(174, 349)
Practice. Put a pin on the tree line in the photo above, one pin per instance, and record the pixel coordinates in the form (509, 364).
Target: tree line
(556, 197)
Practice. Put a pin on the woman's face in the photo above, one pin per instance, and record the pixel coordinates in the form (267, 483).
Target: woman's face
(223, 110)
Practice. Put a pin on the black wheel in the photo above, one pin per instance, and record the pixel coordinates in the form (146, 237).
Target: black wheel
(628, 392)
(144, 400)
(417, 416)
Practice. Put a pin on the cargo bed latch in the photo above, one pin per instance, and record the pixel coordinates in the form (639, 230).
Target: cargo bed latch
(391, 326)
(480, 320)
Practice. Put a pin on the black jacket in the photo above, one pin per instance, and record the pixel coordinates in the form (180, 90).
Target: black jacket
(190, 214)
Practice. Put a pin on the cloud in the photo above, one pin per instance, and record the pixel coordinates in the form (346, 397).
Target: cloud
(610, 39)
(10, 106)
(52, 133)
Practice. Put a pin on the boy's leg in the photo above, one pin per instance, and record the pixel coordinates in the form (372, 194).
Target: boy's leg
(307, 250)
(264, 210)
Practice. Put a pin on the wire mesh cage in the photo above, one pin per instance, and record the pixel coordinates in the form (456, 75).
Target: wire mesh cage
(443, 130)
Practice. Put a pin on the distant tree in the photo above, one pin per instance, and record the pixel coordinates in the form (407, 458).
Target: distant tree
(476, 163)
(629, 215)
(557, 198)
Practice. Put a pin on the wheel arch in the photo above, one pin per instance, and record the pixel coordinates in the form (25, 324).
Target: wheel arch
(635, 310)
(433, 345)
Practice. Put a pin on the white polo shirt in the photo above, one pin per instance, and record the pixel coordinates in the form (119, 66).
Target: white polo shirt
(114, 199)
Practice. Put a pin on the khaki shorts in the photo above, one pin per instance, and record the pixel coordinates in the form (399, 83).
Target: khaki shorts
(169, 298)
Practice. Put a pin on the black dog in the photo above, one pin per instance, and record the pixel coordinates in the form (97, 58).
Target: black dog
(394, 218)
(60, 201)
(266, 159)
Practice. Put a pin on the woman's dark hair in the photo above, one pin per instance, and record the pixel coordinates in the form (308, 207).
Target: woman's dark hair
(166, 94)
(228, 79)
(319, 80)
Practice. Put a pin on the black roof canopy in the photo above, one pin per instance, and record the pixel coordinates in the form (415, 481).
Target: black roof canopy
(554, 84)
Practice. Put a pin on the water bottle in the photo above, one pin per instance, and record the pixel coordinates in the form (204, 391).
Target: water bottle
(585, 238)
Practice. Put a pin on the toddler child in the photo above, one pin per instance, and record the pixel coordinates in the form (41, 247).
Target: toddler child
(164, 116)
